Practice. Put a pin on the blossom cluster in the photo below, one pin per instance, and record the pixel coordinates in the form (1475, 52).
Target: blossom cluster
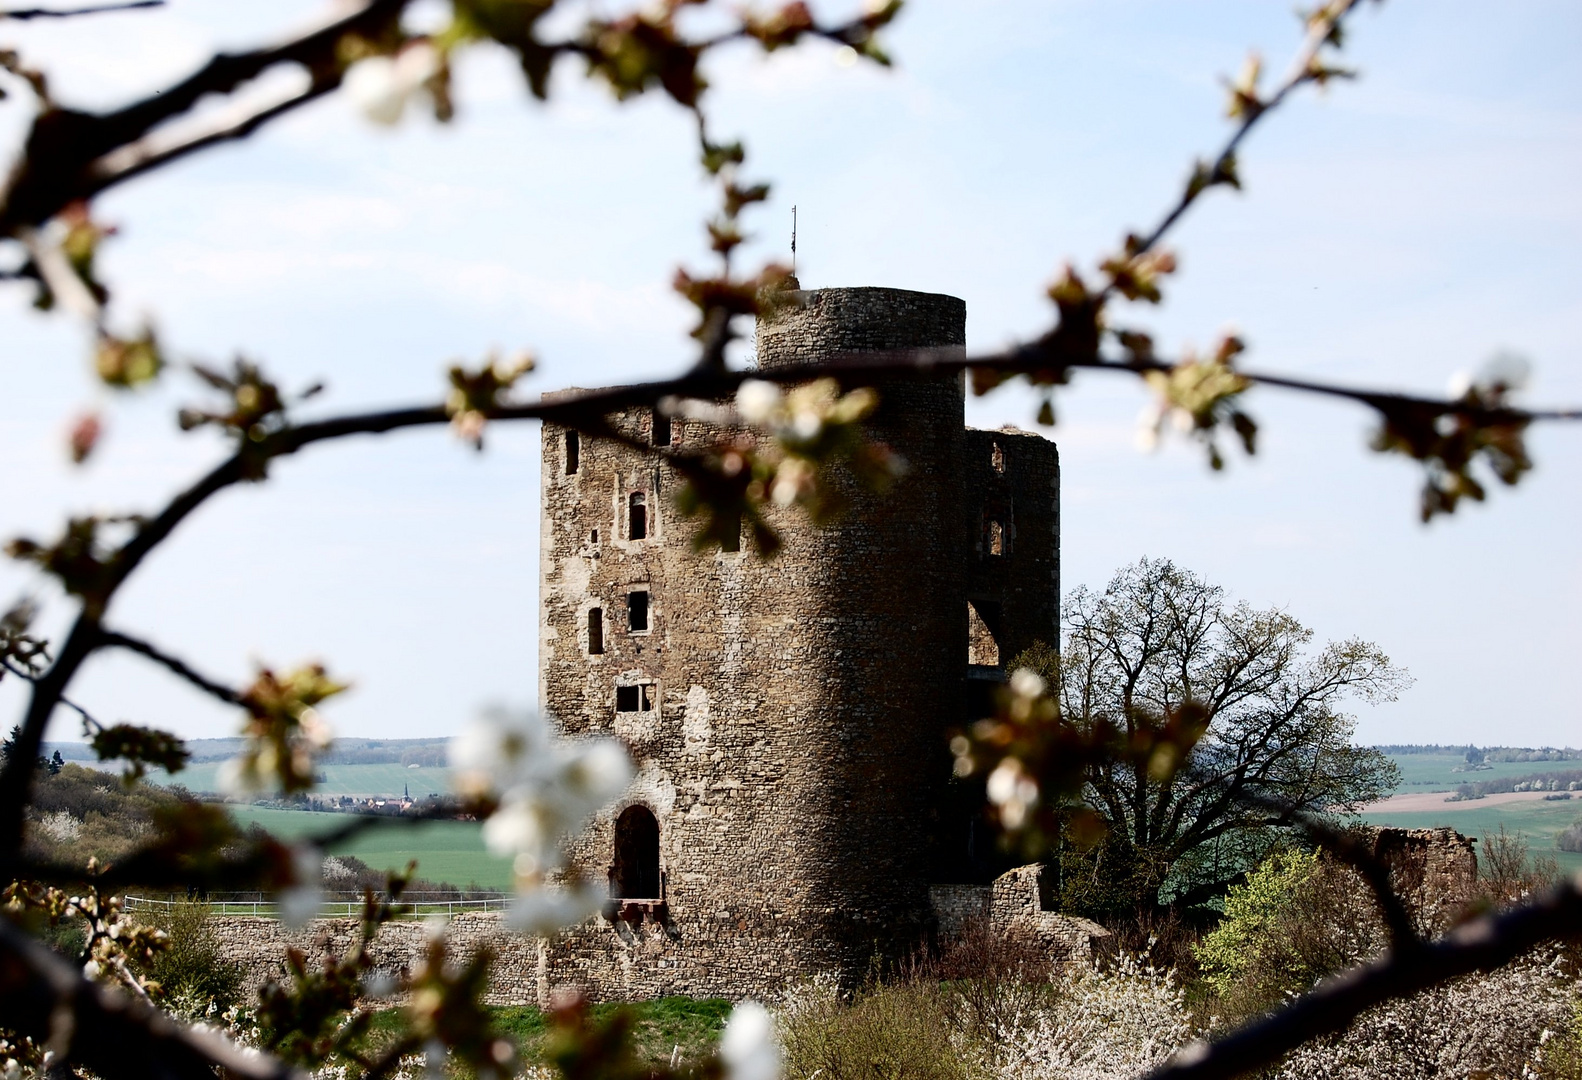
(547, 788)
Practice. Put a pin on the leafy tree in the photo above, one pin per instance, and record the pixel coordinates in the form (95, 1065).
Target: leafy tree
(1263, 737)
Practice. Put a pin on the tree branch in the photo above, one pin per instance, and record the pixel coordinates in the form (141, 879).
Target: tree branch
(1480, 945)
(23, 14)
(585, 409)
(110, 1034)
(115, 639)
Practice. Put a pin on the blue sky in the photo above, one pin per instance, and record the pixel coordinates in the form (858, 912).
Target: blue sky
(1393, 231)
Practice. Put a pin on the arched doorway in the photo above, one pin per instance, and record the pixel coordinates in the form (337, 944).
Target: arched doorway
(635, 873)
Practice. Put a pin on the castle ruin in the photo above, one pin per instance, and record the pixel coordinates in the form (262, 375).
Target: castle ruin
(788, 716)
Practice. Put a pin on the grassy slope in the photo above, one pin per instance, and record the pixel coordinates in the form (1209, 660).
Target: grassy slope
(1434, 772)
(449, 851)
(362, 780)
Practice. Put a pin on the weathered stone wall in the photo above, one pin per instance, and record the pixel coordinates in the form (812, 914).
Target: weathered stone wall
(1434, 871)
(794, 756)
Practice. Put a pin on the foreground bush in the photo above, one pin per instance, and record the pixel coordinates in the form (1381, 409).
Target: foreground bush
(884, 1032)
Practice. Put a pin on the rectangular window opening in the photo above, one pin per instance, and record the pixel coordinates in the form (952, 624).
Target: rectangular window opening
(595, 631)
(996, 538)
(997, 458)
(638, 698)
(573, 452)
(637, 610)
(660, 429)
(732, 540)
(595, 537)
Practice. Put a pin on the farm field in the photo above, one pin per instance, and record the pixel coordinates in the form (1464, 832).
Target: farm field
(1538, 820)
(446, 851)
(1435, 772)
(360, 780)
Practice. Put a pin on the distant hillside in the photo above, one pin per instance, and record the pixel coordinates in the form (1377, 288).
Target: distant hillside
(429, 753)
(1484, 753)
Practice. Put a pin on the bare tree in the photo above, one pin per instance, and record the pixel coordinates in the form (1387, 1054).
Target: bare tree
(1161, 646)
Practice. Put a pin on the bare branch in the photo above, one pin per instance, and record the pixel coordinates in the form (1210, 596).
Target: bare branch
(208, 686)
(1480, 945)
(112, 1035)
(67, 13)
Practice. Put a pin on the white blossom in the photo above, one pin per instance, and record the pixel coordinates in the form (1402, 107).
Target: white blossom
(757, 400)
(302, 900)
(381, 86)
(543, 911)
(747, 1046)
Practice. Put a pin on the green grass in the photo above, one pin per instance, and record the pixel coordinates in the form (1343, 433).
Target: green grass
(1539, 821)
(361, 780)
(446, 851)
(659, 1026)
(1435, 772)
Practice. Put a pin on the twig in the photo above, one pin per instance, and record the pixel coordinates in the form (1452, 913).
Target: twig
(115, 639)
(1480, 945)
(1319, 31)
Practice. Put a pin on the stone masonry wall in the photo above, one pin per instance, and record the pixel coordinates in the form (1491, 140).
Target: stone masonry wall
(787, 716)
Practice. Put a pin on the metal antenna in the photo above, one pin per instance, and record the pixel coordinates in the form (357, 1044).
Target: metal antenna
(793, 239)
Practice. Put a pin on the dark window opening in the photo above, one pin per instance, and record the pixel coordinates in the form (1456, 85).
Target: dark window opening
(637, 517)
(634, 874)
(573, 452)
(732, 540)
(595, 631)
(638, 698)
(595, 536)
(994, 540)
(997, 458)
(661, 429)
(637, 610)
(983, 633)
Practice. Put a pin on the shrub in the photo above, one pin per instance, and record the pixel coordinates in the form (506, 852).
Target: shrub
(1485, 1025)
(898, 1031)
(191, 968)
(1107, 1021)
(1300, 916)
(1570, 838)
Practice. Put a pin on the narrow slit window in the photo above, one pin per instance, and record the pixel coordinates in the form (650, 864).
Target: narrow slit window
(637, 610)
(732, 540)
(997, 458)
(996, 538)
(595, 631)
(637, 517)
(660, 429)
(595, 536)
(573, 452)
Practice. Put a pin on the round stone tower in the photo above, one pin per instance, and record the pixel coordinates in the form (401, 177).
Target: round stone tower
(787, 715)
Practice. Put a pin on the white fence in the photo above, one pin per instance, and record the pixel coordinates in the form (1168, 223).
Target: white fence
(412, 904)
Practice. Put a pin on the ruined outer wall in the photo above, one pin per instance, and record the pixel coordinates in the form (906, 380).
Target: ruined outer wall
(795, 753)
(1013, 482)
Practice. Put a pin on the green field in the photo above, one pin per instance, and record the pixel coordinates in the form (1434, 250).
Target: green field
(1537, 820)
(360, 780)
(446, 851)
(1435, 772)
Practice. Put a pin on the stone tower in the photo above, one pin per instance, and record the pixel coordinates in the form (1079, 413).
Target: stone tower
(788, 716)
